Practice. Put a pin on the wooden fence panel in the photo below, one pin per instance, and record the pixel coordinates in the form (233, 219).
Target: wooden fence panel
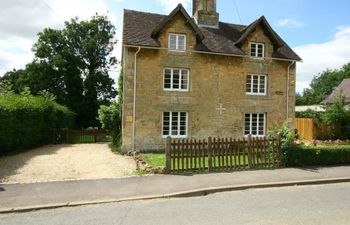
(305, 128)
(222, 154)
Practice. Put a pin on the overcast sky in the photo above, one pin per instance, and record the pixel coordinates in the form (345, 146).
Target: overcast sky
(319, 31)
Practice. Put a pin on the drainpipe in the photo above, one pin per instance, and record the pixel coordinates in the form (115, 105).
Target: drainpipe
(288, 83)
(134, 100)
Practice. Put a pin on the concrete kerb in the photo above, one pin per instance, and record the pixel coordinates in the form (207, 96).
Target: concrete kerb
(183, 194)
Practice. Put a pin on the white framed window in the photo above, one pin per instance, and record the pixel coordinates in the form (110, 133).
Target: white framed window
(175, 124)
(256, 85)
(175, 79)
(257, 50)
(255, 124)
(177, 42)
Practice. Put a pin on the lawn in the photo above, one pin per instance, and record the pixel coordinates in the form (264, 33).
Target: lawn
(154, 159)
(158, 160)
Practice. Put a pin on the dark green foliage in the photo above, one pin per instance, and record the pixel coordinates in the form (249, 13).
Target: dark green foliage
(110, 118)
(301, 155)
(73, 64)
(322, 85)
(317, 116)
(26, 121)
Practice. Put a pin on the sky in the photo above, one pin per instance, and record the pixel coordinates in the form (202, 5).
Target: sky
(317, 30)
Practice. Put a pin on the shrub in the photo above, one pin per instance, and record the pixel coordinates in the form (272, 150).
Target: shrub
(27, 121)
(287, 135)
(110, 118)
(301, 155)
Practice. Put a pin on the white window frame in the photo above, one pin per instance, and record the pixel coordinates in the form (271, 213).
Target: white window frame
(180, 79)
(256, 50)
(177, 42)
(251, 122)
(252, 85)
(178, 125)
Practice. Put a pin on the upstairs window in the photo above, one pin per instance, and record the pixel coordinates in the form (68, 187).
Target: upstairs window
(175, 79)
(175, 124)
(257, 50)
(177, 42)
(256, 85)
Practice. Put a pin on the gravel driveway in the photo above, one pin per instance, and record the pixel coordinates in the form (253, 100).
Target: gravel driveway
(65, 162)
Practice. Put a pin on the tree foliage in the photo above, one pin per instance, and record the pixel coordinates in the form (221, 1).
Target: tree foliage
(110, 118)
(322, 85)
(73, 64)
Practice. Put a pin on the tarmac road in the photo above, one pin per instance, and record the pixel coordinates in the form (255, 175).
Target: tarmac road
(315, 204)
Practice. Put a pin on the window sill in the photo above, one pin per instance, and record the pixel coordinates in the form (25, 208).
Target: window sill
(175, 90)
(256, 94)
(174, 137)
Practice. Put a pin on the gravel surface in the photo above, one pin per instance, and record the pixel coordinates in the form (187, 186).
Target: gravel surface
(65, 162)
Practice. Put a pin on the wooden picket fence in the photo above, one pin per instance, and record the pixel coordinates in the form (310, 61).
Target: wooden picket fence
(218, 154)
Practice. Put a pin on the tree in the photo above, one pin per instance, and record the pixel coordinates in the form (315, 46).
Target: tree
(110, 118)
(337, 116)
(322, 85)
(73, 64)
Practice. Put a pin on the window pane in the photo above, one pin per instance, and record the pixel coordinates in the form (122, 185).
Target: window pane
(247, 124)
(166, 123)
(253, 49)
(262, 84)
(167, 78)
(174, 123)
(172, 41)
(184, 79)
(260, 50)
(176, 79)
(249, 83)
(181, 42)
(255, 84)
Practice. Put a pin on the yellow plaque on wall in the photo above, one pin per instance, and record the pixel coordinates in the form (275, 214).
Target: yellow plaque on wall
(129, 119)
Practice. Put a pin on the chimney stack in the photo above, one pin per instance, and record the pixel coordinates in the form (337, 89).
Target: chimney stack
(204, 12)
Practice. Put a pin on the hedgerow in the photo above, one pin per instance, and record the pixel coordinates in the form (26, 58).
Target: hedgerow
(27, 121)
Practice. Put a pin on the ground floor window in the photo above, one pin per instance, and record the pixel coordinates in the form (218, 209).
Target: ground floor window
(175, 124)
(255, 124)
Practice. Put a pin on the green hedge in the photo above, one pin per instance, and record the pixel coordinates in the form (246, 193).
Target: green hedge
(27, 121)
(301, 155)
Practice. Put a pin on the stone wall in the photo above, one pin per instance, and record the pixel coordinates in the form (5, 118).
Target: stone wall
(213, 80)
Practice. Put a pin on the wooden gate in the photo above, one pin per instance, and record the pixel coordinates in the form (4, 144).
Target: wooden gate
(305, 128)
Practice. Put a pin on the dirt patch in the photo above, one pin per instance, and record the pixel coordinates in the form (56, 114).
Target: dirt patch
(65, 162)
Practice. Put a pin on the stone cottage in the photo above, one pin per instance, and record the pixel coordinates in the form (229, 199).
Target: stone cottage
(194, 76)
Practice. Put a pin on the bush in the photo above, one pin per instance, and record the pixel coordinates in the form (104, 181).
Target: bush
(287, 135)
(110, 118)
(27, 121)
(300, 155)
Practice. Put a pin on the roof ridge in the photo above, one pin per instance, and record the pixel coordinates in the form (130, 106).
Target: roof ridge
(150, 13)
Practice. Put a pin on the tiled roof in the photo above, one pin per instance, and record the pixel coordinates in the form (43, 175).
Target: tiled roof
(140, 27)
(342, 89)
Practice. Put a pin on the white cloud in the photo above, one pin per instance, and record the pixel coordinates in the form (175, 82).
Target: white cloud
(319, 57)
(289, 22)
(169, 5)
(21, 20)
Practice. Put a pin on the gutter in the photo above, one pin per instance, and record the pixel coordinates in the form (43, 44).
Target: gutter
(288, 83)
(134, 100)
(209, 53)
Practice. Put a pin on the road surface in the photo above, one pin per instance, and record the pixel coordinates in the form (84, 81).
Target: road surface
(319, 204)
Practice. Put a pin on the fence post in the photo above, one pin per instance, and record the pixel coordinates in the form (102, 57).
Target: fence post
(279, 148)
(95, 135)
(249, 147)
(209, 154)
(168, 155)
